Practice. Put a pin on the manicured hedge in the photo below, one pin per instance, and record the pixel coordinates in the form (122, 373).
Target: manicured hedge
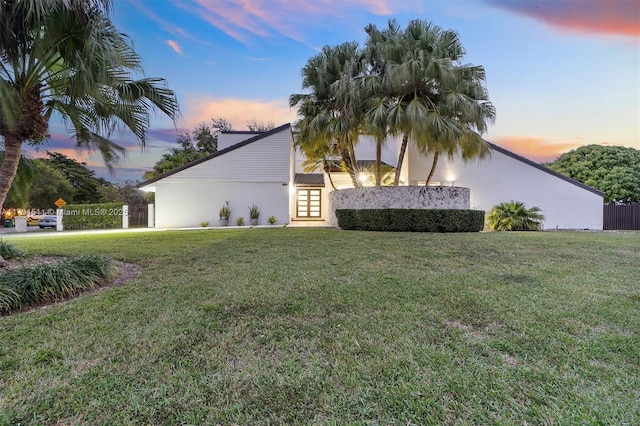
(411, 220)
(92, 216)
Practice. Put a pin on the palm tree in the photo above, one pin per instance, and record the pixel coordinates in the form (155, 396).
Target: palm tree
(428, 95)
(371, 83)
(514, 216)
(330, 113)
(65, 57)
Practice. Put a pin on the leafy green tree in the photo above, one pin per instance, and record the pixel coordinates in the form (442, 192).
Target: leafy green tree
(126, 192)
(514, 216)
(614, 170)
(66, 57)
(83, 180)
(260, 126)
(49, 185)
(192, 145)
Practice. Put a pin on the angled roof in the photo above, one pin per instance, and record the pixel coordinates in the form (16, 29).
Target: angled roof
(241, 132)
(257, 137)
(544, 168)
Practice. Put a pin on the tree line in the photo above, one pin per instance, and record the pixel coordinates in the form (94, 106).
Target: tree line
(41, 181)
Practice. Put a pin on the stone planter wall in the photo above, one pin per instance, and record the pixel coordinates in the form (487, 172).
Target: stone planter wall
(398, 197)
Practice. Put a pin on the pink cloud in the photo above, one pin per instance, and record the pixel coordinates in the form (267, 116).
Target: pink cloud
(616, 17)
(241, 19)
(237, 111)
(534, 148)
(175, 46)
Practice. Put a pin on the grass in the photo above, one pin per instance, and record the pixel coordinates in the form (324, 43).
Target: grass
(318, 326)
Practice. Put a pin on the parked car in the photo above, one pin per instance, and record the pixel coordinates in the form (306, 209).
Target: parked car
(33, 220)
(48, 221)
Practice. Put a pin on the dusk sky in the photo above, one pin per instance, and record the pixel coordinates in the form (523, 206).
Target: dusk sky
(561, 73)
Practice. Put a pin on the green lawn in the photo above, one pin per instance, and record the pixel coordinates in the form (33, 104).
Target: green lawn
(319, 326)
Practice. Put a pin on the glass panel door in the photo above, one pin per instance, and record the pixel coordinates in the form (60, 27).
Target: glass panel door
(308, 204)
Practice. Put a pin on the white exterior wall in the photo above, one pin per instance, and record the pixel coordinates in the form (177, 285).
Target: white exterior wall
(257, 173)
(187, 203)
(501, 178)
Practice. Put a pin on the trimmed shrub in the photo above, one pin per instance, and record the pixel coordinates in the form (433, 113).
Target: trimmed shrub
(411, 220)
(92, 216)
(47, 282)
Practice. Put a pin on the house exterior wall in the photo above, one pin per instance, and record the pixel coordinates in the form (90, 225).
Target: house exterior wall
(501, 178)
(256, 173)
(266, 160)
(181, 204)
(225, 140)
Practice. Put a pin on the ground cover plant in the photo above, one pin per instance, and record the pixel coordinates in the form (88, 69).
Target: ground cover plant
(26, 286)
(319, 326)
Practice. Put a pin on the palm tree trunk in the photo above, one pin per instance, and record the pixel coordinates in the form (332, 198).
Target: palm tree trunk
(333, 185)
(352, 159)
(9, 166)
(8, 170)
(349, 162)
(327, 170)
(378, 161)
(403, 149)
(433, 168)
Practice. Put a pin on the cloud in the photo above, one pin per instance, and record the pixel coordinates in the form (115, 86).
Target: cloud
(243, 19)
(175, 46)
(615, 17)
(237, 111)
(167, 26)
(536, 149)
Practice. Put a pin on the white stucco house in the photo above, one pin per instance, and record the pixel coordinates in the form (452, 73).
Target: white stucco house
(266, 170)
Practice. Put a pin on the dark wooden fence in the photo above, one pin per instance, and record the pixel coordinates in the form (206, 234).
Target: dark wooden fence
(621, 216)
(138, 215)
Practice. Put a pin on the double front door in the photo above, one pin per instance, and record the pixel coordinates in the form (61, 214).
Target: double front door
(308, 203)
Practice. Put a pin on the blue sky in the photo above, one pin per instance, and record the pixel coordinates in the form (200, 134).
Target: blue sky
(561, 73)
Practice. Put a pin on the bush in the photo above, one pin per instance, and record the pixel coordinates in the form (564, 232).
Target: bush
(411, 220)
(514, 216)
(47, 282)
(9, 251)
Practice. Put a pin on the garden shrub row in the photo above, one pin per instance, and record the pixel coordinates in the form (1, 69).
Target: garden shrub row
(411, 220)
(48, 282)
(92, 216)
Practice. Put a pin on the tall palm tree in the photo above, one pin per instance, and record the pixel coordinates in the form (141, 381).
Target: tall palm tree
(430, 97)
(65, 57)
(330, 113)
(371, 83)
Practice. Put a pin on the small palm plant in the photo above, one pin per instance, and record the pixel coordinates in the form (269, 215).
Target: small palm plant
(514, 216)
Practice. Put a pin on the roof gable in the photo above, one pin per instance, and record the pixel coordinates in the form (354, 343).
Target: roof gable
(234, 147)
(544, 168)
